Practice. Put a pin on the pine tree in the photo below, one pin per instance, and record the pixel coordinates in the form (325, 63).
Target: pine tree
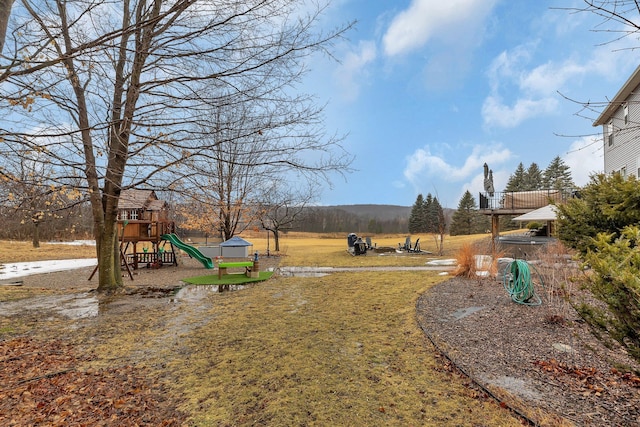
(434, 215)
(518, 180)
(417, 216)
(534, 178)
(467, 219)
(557, 176)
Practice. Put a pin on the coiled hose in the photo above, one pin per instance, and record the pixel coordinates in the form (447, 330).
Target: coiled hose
(519, 284)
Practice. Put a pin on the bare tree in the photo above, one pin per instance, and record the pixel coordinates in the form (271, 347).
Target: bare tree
(114, 91)
(282, 206)
(5, 12)
(29, 196)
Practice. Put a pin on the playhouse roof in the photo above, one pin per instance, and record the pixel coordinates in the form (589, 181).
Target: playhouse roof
(156, 205)
(235, 241)
(136, 199)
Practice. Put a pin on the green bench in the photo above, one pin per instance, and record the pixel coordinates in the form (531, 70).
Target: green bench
(222, 267)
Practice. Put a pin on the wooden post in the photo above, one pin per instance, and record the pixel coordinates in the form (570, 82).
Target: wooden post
(495, 231)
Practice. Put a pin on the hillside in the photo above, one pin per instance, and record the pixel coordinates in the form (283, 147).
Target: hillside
(378, 212)
(370, 218)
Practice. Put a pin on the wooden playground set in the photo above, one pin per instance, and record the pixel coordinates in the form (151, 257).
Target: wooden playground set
(145, 230)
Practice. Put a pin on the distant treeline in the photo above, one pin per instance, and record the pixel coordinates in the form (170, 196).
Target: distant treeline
(356, 219)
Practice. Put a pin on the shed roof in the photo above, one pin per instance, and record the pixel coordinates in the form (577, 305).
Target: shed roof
(545, 213)
(235, 241)
(629, 86)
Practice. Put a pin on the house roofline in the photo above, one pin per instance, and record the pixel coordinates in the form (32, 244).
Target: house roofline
(632, 82)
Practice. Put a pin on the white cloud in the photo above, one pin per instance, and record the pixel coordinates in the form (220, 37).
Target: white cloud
(520, 91)
(352, 72)
(496, 113)
(423, 164)
(450, 20)
(548, 78)
(584, 157)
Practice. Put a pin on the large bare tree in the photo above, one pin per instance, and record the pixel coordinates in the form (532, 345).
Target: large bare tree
(116, 90)
(5, 12)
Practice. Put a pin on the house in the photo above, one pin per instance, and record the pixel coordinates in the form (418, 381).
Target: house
(620, 130)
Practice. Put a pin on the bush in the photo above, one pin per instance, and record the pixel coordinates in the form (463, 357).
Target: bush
(616, 262)
(606, 205)
(533, 225)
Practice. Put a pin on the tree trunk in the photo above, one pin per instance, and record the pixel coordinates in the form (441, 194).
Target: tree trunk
(108, 251)
(276, 239)
(5, 12)
(35, 241)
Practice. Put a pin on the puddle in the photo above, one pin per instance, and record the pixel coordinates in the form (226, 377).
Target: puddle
(198, 292)
(73, 306)
(305, 271)
(302, 274)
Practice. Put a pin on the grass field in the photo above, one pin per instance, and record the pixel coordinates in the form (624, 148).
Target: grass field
(296, 249)
(343, 349)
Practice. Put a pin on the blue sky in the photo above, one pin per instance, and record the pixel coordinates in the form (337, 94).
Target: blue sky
(429, 90)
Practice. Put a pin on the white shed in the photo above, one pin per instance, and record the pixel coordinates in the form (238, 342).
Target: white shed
(236, 247)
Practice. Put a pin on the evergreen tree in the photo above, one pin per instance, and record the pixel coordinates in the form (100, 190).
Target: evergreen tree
(417, 217)
(557, 176)
(466, 219)
(534, 178)
(428, 213)
(434, 215)
(518, 180)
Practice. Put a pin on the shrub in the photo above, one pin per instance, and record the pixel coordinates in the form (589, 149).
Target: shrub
(606, 205)
(466, 261)
(616, 260)
(533, 225)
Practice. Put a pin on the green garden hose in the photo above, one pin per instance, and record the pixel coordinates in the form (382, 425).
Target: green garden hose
(519, 284)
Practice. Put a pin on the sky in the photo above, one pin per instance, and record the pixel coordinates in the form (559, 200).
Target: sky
(427, 91)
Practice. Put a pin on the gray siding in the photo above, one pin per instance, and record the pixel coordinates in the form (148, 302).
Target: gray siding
(625, 151)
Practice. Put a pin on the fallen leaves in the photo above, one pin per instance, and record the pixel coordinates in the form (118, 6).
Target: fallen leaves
(588, 379)
(47, 382)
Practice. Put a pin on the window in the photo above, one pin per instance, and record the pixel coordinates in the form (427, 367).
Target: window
(625, 109)
(623, 171)
(610, 133)
(125, 215)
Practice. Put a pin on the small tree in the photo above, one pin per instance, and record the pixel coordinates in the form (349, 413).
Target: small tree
(439, 226)
(417, 218)
(281, 208)
(466, 219)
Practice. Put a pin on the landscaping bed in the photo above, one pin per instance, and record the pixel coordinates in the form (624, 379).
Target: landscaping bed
(541, 360)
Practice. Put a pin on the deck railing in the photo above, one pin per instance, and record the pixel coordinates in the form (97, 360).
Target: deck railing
(522, 200)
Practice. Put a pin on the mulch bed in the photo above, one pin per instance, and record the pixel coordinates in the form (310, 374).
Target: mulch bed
(539, 360)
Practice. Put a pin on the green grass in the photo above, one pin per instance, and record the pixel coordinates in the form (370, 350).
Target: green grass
(228, 279)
